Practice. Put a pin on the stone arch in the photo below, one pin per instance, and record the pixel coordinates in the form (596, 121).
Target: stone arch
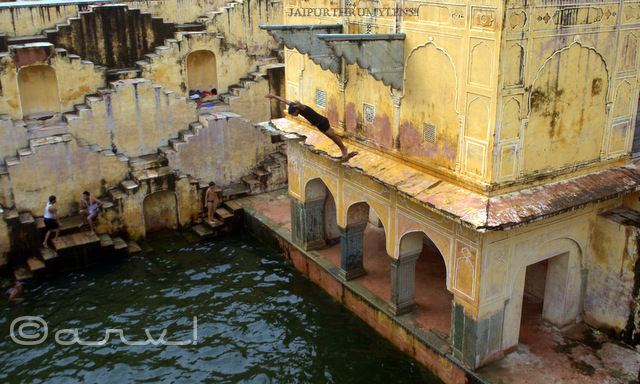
(565, 258)
(314, 220)
(350, 213)
(430, 100)
(160, 211)
(564, 112)
(202, 71)
(38, 88)
(422, 279)
(313, 188)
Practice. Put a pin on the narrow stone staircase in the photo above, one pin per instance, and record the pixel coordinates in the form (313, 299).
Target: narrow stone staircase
(74, 250)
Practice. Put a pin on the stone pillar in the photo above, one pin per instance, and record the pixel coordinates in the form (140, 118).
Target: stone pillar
(476, 341)
(307, 224)
(351, 265)
(403, 284)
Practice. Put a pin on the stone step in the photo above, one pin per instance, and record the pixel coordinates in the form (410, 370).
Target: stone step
(279, 157)
(190, 27)
(119, 245)
(22, 273)
(133, 247)
(176, 143)
(153, 160)
(202, 231)
(234, 191)
(215, 223)
(224, 215)
(269, 165)
(117, 194)
(233, 206)
(26, 218)
(185, 134)
(261, 174)
(166, 151)
(75, 240)
(37, 131)
(152, 173)
(128, 185)
(21, 40)
(254, 185)
(36, 266)
(48, 254)
(105, 240)
(123, 74)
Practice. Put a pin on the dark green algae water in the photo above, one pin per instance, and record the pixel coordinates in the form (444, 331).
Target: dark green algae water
(258, 321)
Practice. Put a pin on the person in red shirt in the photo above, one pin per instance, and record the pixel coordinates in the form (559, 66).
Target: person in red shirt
(317, 120)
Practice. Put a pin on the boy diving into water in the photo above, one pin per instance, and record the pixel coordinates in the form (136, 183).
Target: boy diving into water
(317, 120)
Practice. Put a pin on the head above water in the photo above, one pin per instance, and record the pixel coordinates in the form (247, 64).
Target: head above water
(293, 110)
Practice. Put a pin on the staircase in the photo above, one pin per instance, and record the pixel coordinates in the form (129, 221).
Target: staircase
(74, 250)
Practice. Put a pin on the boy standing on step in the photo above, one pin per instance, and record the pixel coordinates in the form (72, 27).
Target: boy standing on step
(89, 208)
(51, 221)
(211, 197)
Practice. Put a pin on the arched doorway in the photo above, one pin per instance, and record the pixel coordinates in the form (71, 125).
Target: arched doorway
(202, 73)
(366, 235)
(38, 86)
(546, 288)
(160, 211)
(424, 270)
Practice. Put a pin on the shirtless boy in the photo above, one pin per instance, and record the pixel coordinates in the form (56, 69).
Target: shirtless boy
(211, 197)
(89, 208)
(317, 120)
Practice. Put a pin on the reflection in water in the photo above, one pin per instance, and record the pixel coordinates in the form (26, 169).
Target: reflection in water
(258, 321)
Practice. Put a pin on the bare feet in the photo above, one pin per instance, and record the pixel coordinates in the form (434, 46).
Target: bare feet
(348, 156)
(80, 225)
(56, 241)
(45, 245)
(93, 233)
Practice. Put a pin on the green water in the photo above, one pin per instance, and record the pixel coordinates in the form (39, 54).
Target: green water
(258, 321)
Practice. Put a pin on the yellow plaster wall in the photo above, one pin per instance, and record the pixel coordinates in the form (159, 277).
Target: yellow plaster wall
(170, 69)
(568, 79)
(134, 115)
(611, 274)
(75, 79)
(361, 88)
(59, 166)
(38, 90)
(32, 20)
(225, 150)
(451, 75)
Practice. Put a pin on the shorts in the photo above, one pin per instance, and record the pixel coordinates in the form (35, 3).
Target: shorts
(323, 125)
(50, 224)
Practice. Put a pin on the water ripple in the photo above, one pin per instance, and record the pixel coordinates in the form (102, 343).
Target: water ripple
(258, 321)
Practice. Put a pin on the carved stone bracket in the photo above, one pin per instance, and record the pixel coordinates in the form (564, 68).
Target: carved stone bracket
(380, 54)
(304, 39)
